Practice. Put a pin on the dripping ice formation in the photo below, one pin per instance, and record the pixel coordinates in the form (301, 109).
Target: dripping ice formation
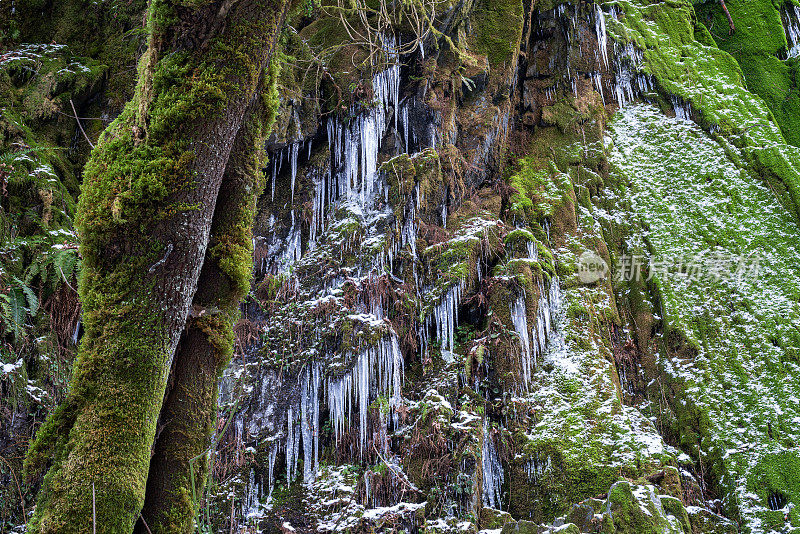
(317, 210)
(378, 371)
(293, 162)
(353, 182)
(553, 344)
(682, 109)
(519, 318)
(354, 146)
(791, 25)
(602, 35)
(540, 339)
(629, 82)
(292, 251)
(492, 470)
(444, 319)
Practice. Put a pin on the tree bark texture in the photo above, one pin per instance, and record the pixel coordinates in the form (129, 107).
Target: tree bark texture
(179, 466)
(144, 218)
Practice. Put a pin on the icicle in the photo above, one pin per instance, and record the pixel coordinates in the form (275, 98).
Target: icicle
(378, 371)
(318, 211)
(76, 333)
(602, 35)
(493, 475)
(406, 127)
(519, 318)
(293, 162)
(309, 410)
(597, 79)
(273, 455)
(274, 176)
(792, 28)
(289, 445)
(445, 316)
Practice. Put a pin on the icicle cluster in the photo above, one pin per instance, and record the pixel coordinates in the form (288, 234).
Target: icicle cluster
(250, 503)
(318, 209)
(535, 468)
(519, 318)
(292, 251)
(597, 81)
(629, 82)
(444, 319)
(302, 428)
(534, 338)
(493, 475)
(791, 25)
(378, 371)
(292, 154)
(355, 145)
(682, 109)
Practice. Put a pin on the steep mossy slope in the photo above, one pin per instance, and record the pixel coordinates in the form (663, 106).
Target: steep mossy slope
(720, 253)
(759, 44)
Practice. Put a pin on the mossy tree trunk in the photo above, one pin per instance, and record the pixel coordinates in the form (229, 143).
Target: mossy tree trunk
(145, 215)
(179, 465)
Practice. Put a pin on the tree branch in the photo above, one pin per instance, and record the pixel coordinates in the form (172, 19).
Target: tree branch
(730, 19)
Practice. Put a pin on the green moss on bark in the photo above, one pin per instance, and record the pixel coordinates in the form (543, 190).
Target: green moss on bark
(151, 179)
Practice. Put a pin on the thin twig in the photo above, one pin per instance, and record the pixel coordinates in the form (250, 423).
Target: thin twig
(145, 523)
(399, 476)
(79, 123)
(728, 14)
(84, 118)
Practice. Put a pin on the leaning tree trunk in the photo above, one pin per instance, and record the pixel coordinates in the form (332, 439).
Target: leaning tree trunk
(179, 466)
(144, 219)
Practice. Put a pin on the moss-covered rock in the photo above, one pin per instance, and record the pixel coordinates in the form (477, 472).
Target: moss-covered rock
(637, 509)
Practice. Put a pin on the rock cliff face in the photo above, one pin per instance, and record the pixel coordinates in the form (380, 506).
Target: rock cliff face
(519, 267)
